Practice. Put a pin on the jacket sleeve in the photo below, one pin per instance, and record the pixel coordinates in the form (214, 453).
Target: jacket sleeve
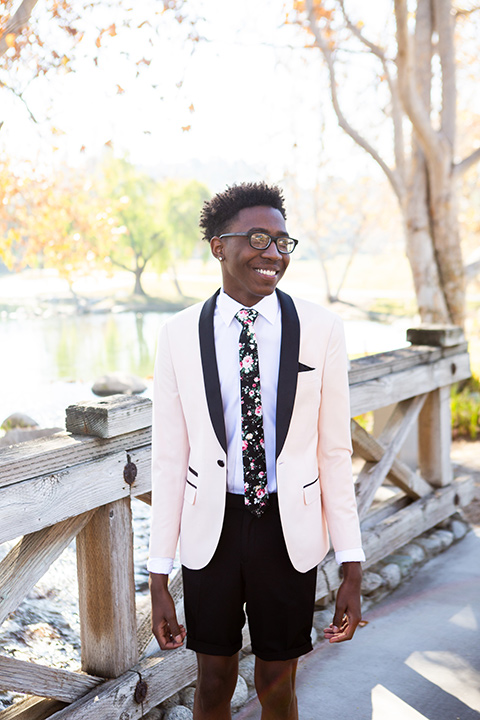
(170, 452)
(335, 446)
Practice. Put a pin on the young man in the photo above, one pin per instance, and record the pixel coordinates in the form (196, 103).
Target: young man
(251, 463)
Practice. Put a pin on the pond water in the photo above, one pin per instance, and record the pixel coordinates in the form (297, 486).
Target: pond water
(48, 363)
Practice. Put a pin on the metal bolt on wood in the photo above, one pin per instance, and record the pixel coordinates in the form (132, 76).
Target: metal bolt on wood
(129, 472)
(140, 693)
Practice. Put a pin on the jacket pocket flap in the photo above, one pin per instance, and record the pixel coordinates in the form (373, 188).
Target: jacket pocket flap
(190, 493)
(311, 492)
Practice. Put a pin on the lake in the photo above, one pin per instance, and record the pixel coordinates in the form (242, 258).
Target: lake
(48, 363)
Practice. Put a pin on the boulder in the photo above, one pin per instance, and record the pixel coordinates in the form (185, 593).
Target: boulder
(118, 383)
(240, 696)
(19, 435)
(18, 420)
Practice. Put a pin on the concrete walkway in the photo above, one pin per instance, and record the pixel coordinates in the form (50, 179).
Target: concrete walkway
(418, 657)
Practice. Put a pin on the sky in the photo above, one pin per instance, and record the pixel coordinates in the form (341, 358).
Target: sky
(250, 95)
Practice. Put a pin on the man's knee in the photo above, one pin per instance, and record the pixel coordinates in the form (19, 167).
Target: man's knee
(275, 685)
(217, 678)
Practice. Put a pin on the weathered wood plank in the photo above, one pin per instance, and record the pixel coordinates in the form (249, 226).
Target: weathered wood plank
(31, 505)
(436, 335)
(31, 709)
(109, 417)
(393, 437)
(106, 586)
(400, 474)
(420, 379)
(375, 366)
(29, 560)
(60, 451)
(435, 438)
(42, 681)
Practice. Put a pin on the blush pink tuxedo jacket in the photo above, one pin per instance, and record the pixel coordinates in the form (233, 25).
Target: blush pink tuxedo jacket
(313, 444)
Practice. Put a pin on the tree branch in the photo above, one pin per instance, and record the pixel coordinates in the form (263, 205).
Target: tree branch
(444, 26)
(466, 163)
(17, 23)
(417, 113)
(342, 121)
(20, 97)
(379, 52)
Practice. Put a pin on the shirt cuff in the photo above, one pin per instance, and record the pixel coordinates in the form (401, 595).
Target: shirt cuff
(356, 555)
(160, 566)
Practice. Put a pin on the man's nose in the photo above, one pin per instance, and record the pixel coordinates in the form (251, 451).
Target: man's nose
(272, 251)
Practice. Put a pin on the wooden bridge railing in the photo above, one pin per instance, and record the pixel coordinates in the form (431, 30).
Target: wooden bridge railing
(80, 483)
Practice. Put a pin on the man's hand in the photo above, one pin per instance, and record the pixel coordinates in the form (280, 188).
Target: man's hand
(165, 627)
(347, 608)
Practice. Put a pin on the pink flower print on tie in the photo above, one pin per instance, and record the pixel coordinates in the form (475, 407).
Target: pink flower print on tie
(253, 443)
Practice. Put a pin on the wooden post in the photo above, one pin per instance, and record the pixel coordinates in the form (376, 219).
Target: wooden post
(107, 591)
(434, 423)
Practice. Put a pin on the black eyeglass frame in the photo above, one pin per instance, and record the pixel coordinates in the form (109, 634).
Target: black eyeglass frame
(257, 232)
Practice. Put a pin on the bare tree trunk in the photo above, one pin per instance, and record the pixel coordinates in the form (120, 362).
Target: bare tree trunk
(138, 289)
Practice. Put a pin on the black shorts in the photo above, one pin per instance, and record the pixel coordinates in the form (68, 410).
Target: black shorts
(250, 571)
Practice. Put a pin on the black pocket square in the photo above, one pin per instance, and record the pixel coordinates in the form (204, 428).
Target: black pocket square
(304, 368)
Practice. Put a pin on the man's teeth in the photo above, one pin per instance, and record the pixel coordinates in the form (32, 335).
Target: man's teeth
(269, 273)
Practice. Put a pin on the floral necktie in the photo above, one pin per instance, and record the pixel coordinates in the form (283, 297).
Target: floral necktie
(253, 443)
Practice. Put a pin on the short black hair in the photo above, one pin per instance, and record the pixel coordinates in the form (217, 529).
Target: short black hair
(218, 212)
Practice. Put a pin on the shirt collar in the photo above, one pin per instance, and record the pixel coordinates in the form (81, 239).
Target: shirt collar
(267, 307)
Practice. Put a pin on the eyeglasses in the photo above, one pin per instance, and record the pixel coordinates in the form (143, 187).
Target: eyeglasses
(261, 241)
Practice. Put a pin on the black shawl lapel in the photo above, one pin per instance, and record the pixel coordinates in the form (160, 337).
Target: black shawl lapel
(288, 371)
(210, 369)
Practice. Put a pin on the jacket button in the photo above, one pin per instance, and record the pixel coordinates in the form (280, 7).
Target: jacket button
(220, 463)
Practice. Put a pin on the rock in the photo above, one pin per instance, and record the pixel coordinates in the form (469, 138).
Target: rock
(392, 575)
(459, 529)
(155, 713)
(179, 712)
(171, 702)
(444, 536)
(187, 695)
(405, 563)
(240, 696)
(431, 544)
(18, 420)
(246, 669)
(416, 552)
(313, 636)
(19, 435)
(371, 582)
(118, 383)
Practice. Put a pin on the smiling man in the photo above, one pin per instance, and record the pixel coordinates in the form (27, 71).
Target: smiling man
(251, 464)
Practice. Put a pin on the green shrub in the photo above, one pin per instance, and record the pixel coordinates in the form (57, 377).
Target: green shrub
(465, 404)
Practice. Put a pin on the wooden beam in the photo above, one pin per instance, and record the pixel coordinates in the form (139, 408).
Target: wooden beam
(436, 335)
(31, 709)
(29, 560)
(393, 388)
(393, 437)
(34, 504)
(57, 452)
(400, 474)
(34, 679)
(435, 438)
(107, 591)
(112, 416)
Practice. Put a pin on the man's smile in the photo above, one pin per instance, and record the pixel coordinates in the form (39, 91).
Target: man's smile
(268, 273)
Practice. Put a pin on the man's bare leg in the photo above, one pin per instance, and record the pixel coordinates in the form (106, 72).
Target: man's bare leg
(275, 685)
(217, 678)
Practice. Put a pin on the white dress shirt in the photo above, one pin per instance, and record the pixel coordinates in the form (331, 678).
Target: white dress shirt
(268, 331)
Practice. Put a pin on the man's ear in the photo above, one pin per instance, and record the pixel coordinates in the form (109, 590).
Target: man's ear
(216, 246)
